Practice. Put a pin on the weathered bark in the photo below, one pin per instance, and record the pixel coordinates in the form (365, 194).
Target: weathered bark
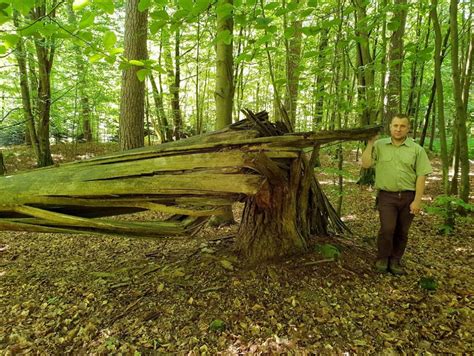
(3, 169)
(164, 128)
(365, 66)
(293, 58)
(320, 79)
(45, 49)
(132, 103)
(25, 95)
(395, 65)
(440, 96)
(461, 120)
(431, 100)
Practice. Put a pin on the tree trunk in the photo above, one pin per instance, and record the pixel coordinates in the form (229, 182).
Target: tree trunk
(293, 58)
(458, 99)
(132, 103)
(164, 128)
(3, 169)
(440, 96)
(320, 80)
(395, 64)
(224, 93)
(25, 95)
(45, 55)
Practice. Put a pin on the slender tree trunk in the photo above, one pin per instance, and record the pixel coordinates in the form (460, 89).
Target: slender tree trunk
(458, 99)
(440, 96)
(293, 58)
(420, 85)
(395, 64)
(320, 79)
(3, 169)
(175, 89)
(132, 103)
(25, 95)
(365, 65)
(224, 93)
(165, 132)
(433, 91)
(45, 55)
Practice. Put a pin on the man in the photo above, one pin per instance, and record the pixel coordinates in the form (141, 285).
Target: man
(401, 166)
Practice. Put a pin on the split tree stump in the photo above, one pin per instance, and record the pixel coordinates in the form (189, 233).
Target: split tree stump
(252, 161)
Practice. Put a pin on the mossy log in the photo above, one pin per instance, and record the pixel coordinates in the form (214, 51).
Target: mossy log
(251, 161)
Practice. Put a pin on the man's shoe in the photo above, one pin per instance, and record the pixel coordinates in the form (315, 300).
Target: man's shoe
(396, 268)
(381, 265)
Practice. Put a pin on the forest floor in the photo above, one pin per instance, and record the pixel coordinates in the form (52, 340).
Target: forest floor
(103, 294)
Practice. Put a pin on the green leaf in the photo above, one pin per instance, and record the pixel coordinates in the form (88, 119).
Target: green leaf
(224, 37)
(289, 32)
(156, 26)
(393, 25)
(106, 5)
(142, 74)
(200, 6)
(31, 30)
(329, 251)
(217, 325)
(10, 40)
(144, 5)
(116, 50)
(111, 59)
(310, 54)
(87, 20)
(224, 10)
(292, 5)
(262, 22)
(136, 62)
(109, 40)
(160, 15)
(428, 283)
(272, 5)
(227, 265)
(96, 57)
(49, 29)
(186, 4)
(3, 49)
(79, 4)
(23, 6)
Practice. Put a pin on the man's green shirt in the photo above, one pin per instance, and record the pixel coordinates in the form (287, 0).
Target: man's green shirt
(397, 167)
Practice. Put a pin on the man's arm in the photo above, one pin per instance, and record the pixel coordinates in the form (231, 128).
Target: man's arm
(415, 205)
(366, 157)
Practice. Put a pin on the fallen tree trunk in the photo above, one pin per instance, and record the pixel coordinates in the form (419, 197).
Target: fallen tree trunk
(187, 181)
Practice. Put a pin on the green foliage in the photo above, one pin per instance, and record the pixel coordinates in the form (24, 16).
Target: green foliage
(217, 325)
(329, 251)
(428, 283)
(450, 208)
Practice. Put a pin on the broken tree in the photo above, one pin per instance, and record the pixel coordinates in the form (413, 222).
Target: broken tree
(252, 161)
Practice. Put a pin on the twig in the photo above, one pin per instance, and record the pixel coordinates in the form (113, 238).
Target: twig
(319, 261)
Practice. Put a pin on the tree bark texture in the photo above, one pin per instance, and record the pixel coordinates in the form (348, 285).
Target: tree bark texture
(395, 64)
(224, 93)
(45, 48)
(132, 103)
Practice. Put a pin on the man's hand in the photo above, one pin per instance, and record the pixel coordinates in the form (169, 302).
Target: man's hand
(415, 207)
(373, 139)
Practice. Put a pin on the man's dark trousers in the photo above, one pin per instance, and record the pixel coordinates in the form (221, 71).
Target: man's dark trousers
(395, 221)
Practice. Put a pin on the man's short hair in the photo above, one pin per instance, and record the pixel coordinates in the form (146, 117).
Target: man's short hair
(401, 116)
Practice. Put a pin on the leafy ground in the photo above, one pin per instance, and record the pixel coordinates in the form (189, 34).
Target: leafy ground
(100, 294)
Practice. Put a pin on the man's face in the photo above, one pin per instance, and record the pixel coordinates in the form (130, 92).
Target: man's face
(399, 128)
